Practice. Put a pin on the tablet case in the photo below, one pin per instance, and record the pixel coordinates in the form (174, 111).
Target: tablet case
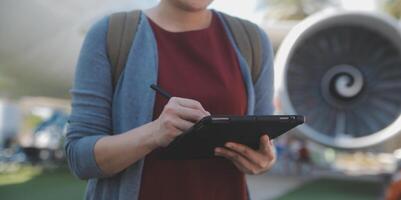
(214, 131)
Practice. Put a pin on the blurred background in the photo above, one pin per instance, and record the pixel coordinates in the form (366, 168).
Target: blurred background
(338, 62)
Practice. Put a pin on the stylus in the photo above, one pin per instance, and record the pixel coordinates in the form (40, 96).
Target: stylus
(161, 91)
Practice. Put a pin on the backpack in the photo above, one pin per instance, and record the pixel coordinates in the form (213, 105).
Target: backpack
(123, 26)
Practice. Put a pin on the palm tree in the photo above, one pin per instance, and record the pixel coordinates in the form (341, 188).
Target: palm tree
(293, 9)
(393, 7)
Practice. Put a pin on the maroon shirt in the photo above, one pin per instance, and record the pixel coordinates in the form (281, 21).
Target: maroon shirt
(200, 65)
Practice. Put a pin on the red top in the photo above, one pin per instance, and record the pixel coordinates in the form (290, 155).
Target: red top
(200, 65)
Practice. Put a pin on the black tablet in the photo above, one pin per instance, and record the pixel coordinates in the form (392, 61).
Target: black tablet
(214, 131)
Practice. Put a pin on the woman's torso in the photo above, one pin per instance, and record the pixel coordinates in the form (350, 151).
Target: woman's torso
(200, 65)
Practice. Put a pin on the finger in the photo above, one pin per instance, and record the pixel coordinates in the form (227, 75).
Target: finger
(238, 165)
(190, 103)
(264, 143)
(241, 168)
(182, 124)
(272, 154)
(189, 114)
(250, 154)
(236, 159)
(267, 147)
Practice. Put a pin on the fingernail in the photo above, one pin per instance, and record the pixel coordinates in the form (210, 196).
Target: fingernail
(217, 150)
(229, 145)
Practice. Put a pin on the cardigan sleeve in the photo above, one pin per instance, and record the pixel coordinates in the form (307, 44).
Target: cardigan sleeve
(91, 99)
(264, 86)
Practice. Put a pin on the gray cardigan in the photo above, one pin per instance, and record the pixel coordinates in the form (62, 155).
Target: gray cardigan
(97, 111)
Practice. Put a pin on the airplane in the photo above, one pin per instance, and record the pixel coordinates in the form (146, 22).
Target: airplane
(41, 40)
(42, 63)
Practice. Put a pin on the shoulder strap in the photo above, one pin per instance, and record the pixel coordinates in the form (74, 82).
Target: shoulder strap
(123, 25)
(247, 38)
(120, 35)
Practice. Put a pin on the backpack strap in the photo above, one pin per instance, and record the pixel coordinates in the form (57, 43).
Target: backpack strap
(247, 37)
(120, 35)
(123, 26)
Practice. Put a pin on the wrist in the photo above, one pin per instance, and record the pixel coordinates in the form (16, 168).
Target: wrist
(152, 135)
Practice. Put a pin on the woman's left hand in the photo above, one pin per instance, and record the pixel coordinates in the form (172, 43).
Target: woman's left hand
(248, 160)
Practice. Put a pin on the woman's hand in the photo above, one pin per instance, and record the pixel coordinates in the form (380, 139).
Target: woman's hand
(247, 159)
(178, 115)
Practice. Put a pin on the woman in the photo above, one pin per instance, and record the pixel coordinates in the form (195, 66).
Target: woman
(186, 49)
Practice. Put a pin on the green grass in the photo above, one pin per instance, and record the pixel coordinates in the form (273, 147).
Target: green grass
(329, 189)
(22, 175)
(34, 184)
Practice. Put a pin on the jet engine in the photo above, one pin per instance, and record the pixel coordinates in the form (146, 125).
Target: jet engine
(342, 70)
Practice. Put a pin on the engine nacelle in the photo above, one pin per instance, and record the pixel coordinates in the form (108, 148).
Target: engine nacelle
(342, 70)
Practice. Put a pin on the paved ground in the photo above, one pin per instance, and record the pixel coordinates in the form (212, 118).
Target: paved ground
(270, 186)
(314, 186)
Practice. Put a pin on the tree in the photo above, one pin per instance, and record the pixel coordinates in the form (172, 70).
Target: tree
(293, 9)
(393, 7)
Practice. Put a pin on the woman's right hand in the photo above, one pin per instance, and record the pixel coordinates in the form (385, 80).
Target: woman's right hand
(178, 115)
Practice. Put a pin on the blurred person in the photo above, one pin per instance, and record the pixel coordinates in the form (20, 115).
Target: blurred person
(293, 146)
(393, 190)
(298, 156)
(188, 50)
(303, 161)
